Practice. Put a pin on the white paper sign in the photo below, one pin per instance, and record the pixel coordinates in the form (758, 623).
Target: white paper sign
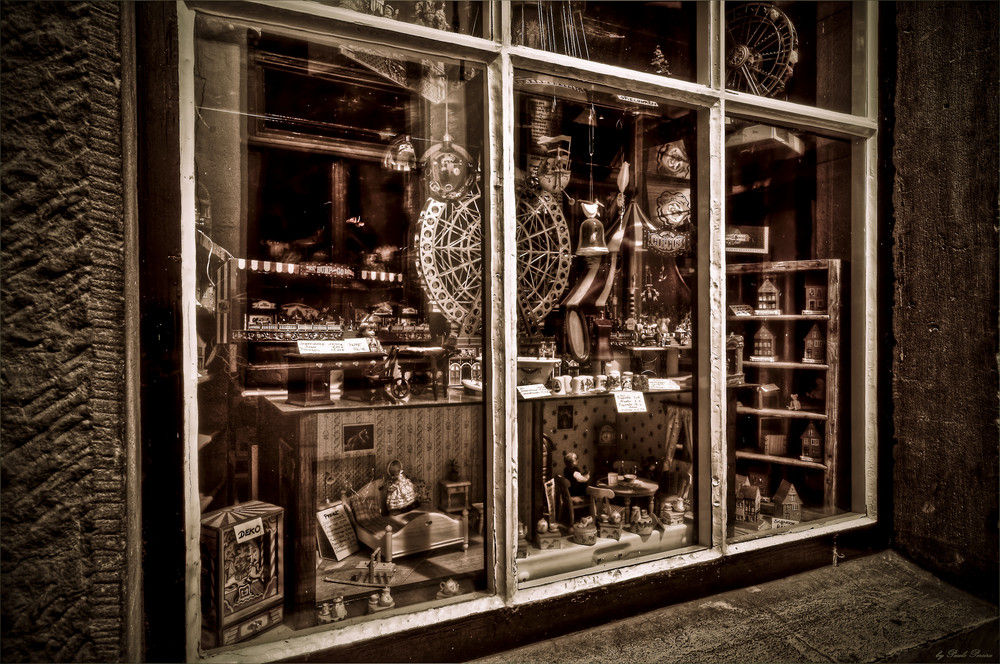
(663, 384)
(334, 347)
(249, 530)
(630, 402)
(741, 309)
(336, 535)
(533, 391)
(781, 523)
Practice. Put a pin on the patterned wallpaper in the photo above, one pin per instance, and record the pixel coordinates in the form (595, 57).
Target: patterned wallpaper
(423, 439)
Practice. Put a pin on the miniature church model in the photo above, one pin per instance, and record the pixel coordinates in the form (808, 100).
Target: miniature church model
(763, 345)
(815, 299)
(815, 347)
(767, 299)
(787, 504)
(812, 444)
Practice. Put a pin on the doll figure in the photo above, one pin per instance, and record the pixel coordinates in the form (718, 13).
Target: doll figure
(578, 479)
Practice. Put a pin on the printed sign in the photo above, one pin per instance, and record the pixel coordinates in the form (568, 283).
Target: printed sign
(334, 347)
(533, 391)
(249, 530)
(630, 402)
(663, 384)
(336, 536)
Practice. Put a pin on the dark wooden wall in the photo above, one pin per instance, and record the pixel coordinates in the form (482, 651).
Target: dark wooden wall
(945, 384)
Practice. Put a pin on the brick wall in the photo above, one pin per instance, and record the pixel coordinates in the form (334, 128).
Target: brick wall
(63, 496)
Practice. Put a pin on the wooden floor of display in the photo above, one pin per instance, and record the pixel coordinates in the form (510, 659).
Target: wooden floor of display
(417, 577)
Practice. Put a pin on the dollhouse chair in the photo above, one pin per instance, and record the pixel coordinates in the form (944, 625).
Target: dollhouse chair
(600, 503)
(568, 503)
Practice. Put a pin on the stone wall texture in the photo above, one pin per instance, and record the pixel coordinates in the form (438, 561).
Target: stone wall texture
(945, 386)
(62, 376)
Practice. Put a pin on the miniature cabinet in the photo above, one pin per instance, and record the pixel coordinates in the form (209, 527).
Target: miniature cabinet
(789, 409)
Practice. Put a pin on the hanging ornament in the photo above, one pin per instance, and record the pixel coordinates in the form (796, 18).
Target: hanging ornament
(448, 171)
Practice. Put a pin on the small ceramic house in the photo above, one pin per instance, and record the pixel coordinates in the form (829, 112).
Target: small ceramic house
(815, 299)
(767, 299)
(763, 345)
(812, 444)
(815, 347)
(787, 504)
(748, 504)
(761, 480)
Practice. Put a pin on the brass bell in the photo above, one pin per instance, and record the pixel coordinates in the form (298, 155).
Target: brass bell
(591, 238)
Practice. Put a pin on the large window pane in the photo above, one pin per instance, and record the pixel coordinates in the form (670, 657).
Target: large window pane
(339, 285)
(467, 17)
(606, 289)
(799, 51)
(653, 37)
(788, 245)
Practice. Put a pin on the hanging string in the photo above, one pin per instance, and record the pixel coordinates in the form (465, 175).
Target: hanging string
(591, 126)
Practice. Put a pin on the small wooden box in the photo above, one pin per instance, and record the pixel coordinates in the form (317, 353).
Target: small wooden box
(242, 575)
(776, 444)
(549, 540)
(308, 384)
(610, 530)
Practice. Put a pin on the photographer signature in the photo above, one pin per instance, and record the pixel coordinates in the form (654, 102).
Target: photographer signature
(955, 653)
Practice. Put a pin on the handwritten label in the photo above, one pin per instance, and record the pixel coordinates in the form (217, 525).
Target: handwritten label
(630, 402)
(334, 347)
(781, 523)
(533, 391)
(336, 536)
(249, 530)
(663, 384)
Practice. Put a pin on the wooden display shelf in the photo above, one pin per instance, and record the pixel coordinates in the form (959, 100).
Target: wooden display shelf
(781, 413)
(779, 317)
(786, 365)
(783, 460)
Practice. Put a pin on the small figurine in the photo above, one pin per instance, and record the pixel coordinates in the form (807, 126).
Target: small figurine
(577, 479)
(324, 613)
(794, 404)
(339, 610)
(542, 526)
(448, 588)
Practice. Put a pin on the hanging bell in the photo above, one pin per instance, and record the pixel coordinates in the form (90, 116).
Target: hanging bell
(591, 238)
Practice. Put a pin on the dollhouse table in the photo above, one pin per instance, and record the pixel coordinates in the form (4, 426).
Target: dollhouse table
(637, 488)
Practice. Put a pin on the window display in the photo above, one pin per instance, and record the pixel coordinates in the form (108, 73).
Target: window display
(339, 217)
(482, 322)
(613, 172)
(787, 243)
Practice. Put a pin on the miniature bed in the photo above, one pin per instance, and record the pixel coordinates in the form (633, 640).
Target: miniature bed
(403, 533)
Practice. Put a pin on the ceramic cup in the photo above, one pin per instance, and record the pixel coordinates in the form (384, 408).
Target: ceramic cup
(627, 380)
(614, 379)
(566, 382)
(579, 385)
(588, 383)
(600, 382)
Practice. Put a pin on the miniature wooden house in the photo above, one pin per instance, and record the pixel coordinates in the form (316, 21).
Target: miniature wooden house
(748, 504)
(767, 298)
(815, 346)
(787, 504)
(763, 345)
(815, 299)
(812, 444)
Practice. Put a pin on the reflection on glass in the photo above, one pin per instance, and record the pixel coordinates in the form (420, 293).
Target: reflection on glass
(605, 368)
(653, 37)
(799, 51)
(461, 16)
(788, 239)
(339, 286)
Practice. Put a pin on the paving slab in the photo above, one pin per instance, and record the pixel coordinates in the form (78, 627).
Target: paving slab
(876, 608)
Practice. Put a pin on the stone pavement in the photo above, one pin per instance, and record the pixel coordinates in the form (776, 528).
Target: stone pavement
(877, 608)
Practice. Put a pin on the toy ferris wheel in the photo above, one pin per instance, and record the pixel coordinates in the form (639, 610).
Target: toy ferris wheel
(762, 49)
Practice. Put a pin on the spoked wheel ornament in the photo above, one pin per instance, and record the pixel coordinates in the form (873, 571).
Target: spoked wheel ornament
(762, 49)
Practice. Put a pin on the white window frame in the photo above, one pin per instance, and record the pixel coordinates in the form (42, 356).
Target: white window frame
(714, 104)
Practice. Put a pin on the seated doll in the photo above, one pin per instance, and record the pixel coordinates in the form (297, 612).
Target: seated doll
(577, 479)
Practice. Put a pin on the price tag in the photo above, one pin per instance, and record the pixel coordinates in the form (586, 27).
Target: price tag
(332, 347)
(630, 402)
(741, 309)
(249, 530)
(663, 384)
(336, 536)
(533, 391)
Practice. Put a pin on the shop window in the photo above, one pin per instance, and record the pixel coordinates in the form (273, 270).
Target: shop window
(606, 288)
(652, 37)
(671, 334)
(797, 51)
(342, 463)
